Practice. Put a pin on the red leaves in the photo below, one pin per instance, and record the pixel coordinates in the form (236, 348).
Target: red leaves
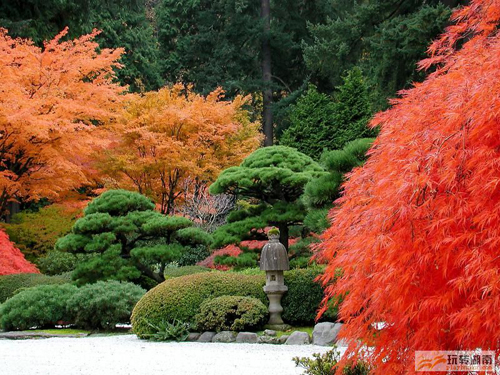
(417, 230)
(11, 258)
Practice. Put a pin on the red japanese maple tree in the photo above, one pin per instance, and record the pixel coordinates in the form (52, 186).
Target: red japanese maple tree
(11, 258)
(416, 233)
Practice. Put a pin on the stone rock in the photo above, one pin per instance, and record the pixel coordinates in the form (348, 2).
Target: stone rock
(206, 337)
(247, 337)
(283, 338)
(268, 340)
(269, 332)
(325, 334)
(225, 336)
(193, 336)
(298, 338)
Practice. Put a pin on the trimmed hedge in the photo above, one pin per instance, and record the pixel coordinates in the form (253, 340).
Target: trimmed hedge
(180, 298)
(37, 307)
(104, 304)
(231, 313)
(301, 302)
(171, 273)
(10, 283)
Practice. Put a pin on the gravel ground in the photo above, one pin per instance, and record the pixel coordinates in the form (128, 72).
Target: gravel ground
(127, 355)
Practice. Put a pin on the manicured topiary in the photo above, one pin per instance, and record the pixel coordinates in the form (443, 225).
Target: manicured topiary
(170, 273)
(180, 298)
(275, 178)
(41, 306)
(231, 313)
(10, 283)
(129, 240)
(104, 304)
(301, 302)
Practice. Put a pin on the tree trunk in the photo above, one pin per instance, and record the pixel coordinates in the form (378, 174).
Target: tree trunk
(283, 227)
(267, 94)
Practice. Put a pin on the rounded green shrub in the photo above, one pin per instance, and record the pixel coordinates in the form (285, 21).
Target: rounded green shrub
(180, 298)
(301, 302)
(38, 307)
(231, 313)
(173, 272)
(104, 304)
(10, 283)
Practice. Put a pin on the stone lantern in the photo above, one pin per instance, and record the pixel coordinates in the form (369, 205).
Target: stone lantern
(274, 260)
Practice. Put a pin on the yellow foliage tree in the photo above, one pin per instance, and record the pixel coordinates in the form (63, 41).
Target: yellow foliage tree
(51, 99)
(174, 135)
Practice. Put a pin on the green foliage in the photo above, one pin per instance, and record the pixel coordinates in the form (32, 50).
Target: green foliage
(168, 331)
(322, 364)
(319, 122)
(172, 272)
(180, 298)
(231, 313)
(129, 241)
(275, 176)
(40, 306)
(57, 262)
(384, 38)
(9, 284)
(245, 260)
(218, 43)
(104, 304)
(322, 191)
(193, 255)
(35, 233)
(301, 302)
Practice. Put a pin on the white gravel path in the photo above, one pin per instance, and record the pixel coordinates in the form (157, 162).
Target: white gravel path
(127, 355)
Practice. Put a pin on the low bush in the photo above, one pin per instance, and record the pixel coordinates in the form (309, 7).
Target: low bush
(10, 283)
(193, 254)
(180, 298)
(58, 262)
(183, 271)
(231, 313)
(104, 304)
(301, 302)
(41, 306)
(169, 331)
(322, 364)
(35, 233)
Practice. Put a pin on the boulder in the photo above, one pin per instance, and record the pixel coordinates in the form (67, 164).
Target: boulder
(193, 336)
(325, 334)
(247, 337)
(298, 338)
(225, 336)
(269, 332)
(283, 338)
(206, 337)
(268, 340)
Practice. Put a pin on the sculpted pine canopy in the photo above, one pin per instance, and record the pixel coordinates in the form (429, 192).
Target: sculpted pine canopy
(417, 230)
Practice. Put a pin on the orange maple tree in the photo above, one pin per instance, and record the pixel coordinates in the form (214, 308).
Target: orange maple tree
(11, 258)
(174, 135)
(51, 99)
(416, 234)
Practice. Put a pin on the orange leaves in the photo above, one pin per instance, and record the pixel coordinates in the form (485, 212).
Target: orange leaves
(417, 230)
(51, 100)
(174, 134)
